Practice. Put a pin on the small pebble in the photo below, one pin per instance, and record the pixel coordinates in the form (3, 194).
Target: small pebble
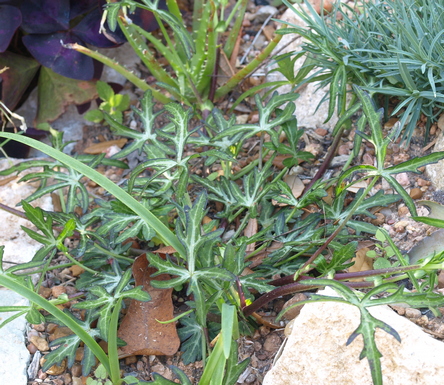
(76, 371)
(45, 292)
(321, 131)
(379, 220)
(403, 179)
(422, 182)
(39, 327)
(412, 313)
(416, 193)
(58, 290)
(79, 354)
(130, 360)
(40, 343)
(55, 370)
(403, 211)
(76, 270)
(272, 343)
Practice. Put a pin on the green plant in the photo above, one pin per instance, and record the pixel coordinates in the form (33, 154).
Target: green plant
(113, 104)
(389, 48)
(193, 56)
(162, 202)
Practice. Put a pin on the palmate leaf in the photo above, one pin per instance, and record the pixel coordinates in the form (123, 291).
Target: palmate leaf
(191, 335)
(50, 242)
(67, 346)
(336, 211)
(340, 256)
(266, 122)
(106, 302)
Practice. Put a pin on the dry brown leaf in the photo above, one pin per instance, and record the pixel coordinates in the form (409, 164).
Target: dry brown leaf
(362, 263)
(140, 329)
(226, 70)
(250, 230)
(101, 147)
(8, 179)
(269, 32)
(165, 250)
(257, 259)
(296, 185)
(357, 186)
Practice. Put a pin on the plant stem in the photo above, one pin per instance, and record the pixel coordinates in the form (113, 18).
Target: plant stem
(240, 75)
(339, 228)
(120, 69)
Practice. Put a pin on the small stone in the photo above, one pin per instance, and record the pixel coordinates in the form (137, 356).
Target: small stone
(415, 193)
(61, 331)
(77, 381)
(42, 375)
(272, 343)
(441, 279)
(441, 122)
(412, 313)
(368, 159)
(55, 370)
(403, 211)
(321, 131)
(67, 378)
(403, 179)
(433, 129)
(51, 327)
(45, 292)
(264, 330)
(79, 354)
(422, 182)
(130, 360)
(76, 270)
(58, 290)
(343, 149)
(39, 327)
(31, 348)
(294, 311)
(76, 371)
(399, 309)
(40, 343)
(400, 226)
(379, 220)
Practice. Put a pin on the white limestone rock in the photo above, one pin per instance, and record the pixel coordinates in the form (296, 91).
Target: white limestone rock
(435, 171)
(308, 111)
(19, 248)
(315, 352)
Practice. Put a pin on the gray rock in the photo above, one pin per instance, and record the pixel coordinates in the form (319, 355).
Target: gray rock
(309, 112)
(435, 171)
(315, 352)
(14, 356)
(19, 248)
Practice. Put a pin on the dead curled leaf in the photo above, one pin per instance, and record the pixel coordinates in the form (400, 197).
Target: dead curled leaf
(101, 147)
(140, 329)
(362, 263)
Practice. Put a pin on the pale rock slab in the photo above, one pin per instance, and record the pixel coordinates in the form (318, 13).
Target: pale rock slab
(308, 113)
(435, 171)
(316, 354)
(19, 248)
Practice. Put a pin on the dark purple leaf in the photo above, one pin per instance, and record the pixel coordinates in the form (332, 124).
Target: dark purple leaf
(88, 31)
(48, 51)
(10, 20)
(45, 16)
(146, 19)
(17, 78)
(80, 7)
